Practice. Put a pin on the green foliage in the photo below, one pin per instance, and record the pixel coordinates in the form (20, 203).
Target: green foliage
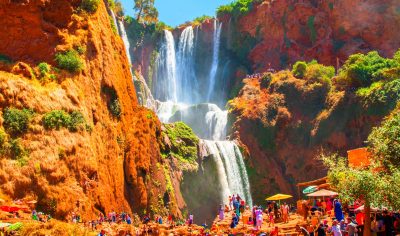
(90, 6)
(115, 108)
(299, 69)
(81, 49)
(237, 8)
(18, 152)
(361, 70)
(113, 26)
(311, 27)
(320, 73)
(16, 121)
(330, 5)
(183, 142)
(58, 119)
(385, 141)
(5, 59)
(381, 97)
(146, 12)
(69, 60)
(44, 68)
(199, 20)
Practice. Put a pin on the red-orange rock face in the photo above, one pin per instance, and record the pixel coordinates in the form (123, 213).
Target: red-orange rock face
(289, 30)
(111, 167)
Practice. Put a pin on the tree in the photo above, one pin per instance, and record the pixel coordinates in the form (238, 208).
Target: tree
(377, 184)
(146, 11)
(385, 141)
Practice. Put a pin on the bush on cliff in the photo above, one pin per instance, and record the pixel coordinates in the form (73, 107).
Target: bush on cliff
(361, 70)
(69, 60)
(90, 5)
(237, 8)
(16, 121)
(58, 119)
(299, 69)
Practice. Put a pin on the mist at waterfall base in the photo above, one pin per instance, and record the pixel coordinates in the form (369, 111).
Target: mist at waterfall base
(185, 91)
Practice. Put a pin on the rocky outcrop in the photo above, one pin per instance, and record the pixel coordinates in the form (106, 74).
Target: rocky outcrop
(110, 165)
(279, 33)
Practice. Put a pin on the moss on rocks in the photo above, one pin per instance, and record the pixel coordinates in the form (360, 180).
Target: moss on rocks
(180, 142)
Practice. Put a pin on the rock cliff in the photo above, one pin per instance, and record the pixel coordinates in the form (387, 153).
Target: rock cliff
(111, 163)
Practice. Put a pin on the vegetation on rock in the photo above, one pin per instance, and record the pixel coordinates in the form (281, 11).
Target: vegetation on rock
(146, 11)
(237, 8)
(90, 5)
(58, 119)
(69, 60)
(16, 121)
(183, 142)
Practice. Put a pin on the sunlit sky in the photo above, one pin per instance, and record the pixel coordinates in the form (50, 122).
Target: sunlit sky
(176, 12)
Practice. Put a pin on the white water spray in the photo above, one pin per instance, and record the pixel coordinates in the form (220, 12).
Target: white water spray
(215, 58)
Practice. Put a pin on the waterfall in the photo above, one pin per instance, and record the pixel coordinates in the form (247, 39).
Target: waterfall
(186, 76)
(231, 169)
(144, 93)
(124, 37)
(216, 121)
(215, 58)
(115, 20)
(165, 80)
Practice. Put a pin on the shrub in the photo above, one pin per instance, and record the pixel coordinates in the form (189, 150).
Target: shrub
(16, 121)
(17, 151)
(299, 69)
(81, 49)
(44, 68)
(319, 72)
(266, 80)
(199, 20)
(57, 119)
(237, 8)
(90, 5)
(77, 121)
(361, 70)
(69, 60)
(115, 108)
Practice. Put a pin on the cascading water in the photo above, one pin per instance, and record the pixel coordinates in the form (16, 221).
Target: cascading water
(176, 87)
(144, 94)
(185, 67)
(233, 170)
(124, 37)
(215, 58)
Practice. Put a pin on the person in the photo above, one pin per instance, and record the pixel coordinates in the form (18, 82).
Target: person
(254, 216)
(351, 228)
(302, 230)
(335, 230)
(305, 208)
(230, 203)
(128, 219)
(388, 223)
(271, 219)
(275, 232)
(221, 213)
(338, 210)
(285, 212)
(311, 229)
(235, 220)
(259, 216)
(190, 219)
(321, 230)
(102, 233)
(329, 205)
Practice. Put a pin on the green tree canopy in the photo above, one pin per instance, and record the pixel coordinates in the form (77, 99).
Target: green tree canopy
(146, 12)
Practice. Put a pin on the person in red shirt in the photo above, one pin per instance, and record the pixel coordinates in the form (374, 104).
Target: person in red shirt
(275, 232)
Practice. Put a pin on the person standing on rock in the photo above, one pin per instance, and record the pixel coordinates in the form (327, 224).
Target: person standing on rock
(259, 218)
(285, 212)
(190, 219)
(221, 213)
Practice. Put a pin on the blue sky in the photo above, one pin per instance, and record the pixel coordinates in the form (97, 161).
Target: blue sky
(176, 12)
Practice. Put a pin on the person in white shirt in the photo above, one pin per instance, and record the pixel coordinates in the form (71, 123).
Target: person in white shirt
(335, 230)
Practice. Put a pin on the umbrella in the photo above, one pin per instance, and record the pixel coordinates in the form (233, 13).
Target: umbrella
(278, 196)
(323, 193)
(310, 189)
